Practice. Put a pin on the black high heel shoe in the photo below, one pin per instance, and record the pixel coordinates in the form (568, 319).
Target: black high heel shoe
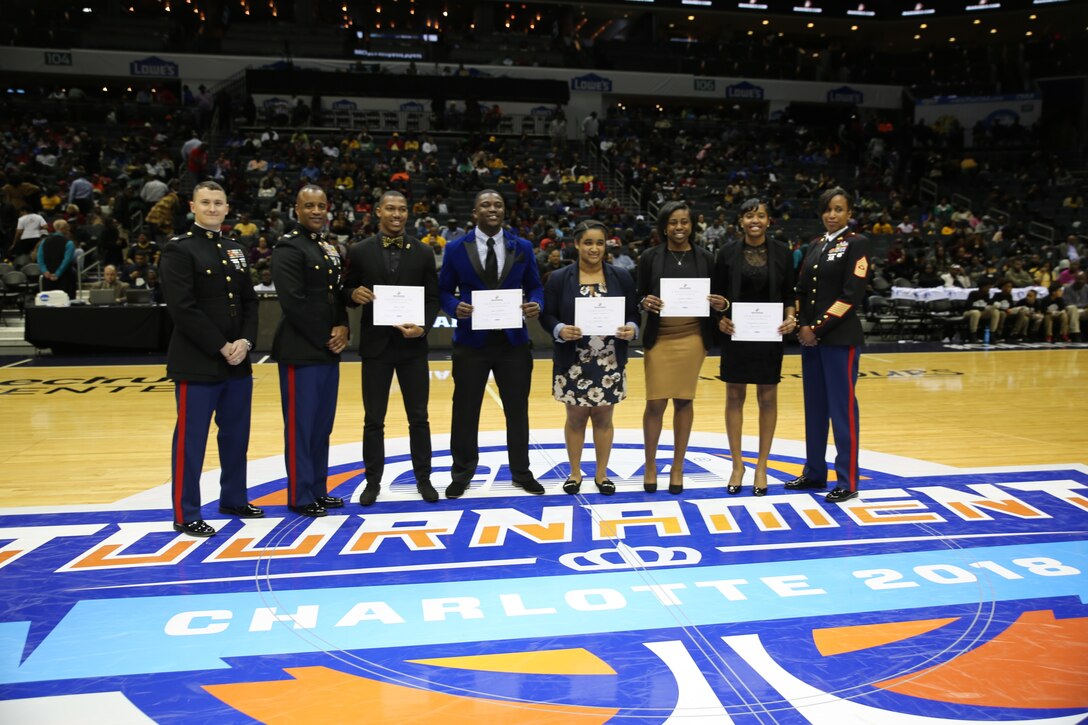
(733, 489)
(759, 491)
(676, 488)
(649, 486)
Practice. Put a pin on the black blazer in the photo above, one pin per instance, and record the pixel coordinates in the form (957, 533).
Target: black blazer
(306, 270)
(780, 278)
(831, 287)
(209, 294)
(559, 294)
(366, 268)
(651, 268)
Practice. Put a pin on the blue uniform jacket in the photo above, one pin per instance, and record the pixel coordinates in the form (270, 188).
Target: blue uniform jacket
(462, 273)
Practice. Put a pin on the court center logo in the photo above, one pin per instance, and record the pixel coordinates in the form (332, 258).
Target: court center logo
(907, 605)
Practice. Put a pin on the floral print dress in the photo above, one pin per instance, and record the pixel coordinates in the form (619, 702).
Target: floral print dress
(596, 378)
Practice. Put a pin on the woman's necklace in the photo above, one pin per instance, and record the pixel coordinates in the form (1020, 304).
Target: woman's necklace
(680, 259)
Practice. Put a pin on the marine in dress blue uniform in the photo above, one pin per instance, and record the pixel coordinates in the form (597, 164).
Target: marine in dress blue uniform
(209, 294)
(307, 271)
(830, 289)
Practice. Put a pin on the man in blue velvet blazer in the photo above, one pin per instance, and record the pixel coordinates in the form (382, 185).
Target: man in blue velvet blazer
(489, 257)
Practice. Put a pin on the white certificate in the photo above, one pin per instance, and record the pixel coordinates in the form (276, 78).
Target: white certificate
(496, 309)
(685, 297)
(599, 315)
(396, 304)
(757, 321)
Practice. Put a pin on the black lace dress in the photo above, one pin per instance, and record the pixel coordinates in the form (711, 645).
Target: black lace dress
(753, 362)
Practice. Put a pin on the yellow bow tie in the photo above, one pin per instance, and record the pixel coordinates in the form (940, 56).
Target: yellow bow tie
(393, 241)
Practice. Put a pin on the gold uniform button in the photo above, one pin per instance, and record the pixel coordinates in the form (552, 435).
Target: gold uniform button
(228, 278)
(230, 295)
(219, 246)
(208, 271)
(224, 261)
(317, 266)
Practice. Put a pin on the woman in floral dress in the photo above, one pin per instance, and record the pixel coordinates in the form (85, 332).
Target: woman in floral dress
(589, 370)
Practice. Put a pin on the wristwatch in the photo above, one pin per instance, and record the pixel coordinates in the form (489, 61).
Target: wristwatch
(249, 345)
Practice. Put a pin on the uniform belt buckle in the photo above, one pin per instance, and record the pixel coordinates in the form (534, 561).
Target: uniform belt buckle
(233, 310)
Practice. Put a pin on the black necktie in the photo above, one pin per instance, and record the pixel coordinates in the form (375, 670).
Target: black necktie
(491, 263)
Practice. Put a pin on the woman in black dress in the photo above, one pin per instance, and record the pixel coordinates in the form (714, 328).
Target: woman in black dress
(589, 370)
(753, 269)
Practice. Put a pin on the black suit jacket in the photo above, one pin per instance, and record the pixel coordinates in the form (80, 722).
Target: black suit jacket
(831, 286)
(306, 270)
(780, 279)
(366, 268)
(651, 268)
(209, 293)
(559, 295)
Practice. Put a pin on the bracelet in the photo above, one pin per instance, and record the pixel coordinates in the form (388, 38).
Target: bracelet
(728, 304)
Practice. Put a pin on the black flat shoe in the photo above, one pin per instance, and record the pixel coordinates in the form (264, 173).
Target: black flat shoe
(733, 490)
(606, 487)
(249, 511)
(331, 502)
(649, 486)
(427, 492)
(369, 494)
(313, 510)
(571, 486)
(676, 488)
(840, 494)
(196, 528)
(804, 483)
(759, 490)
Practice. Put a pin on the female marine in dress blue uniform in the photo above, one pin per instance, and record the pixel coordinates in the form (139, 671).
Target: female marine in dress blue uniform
(830, 288)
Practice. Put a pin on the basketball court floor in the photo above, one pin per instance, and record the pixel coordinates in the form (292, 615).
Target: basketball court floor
(953, 591)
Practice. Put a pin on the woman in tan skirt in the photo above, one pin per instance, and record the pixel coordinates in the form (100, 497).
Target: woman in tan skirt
(675, 346)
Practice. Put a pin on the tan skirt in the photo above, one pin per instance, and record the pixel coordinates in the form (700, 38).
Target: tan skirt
(674, 362)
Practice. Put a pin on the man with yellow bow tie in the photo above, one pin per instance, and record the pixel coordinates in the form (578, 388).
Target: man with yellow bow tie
(392, 258)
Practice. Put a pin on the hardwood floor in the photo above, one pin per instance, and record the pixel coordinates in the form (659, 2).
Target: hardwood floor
(93, 435)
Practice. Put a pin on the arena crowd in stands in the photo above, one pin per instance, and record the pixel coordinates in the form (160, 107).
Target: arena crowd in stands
(119, 172)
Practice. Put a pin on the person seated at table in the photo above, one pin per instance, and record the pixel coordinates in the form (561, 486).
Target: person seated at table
(111, 280)
(979, 307)
(154, 287)
(1026, 317)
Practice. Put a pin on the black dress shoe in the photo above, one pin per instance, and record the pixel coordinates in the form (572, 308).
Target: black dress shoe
(840, 494)
(571, 486)
(313, 510)
(803, 482)
(531, 486)
(249, 511)
(456, 489)
(331, 502)
(369, 494)
(195, 528)
(426, 490)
